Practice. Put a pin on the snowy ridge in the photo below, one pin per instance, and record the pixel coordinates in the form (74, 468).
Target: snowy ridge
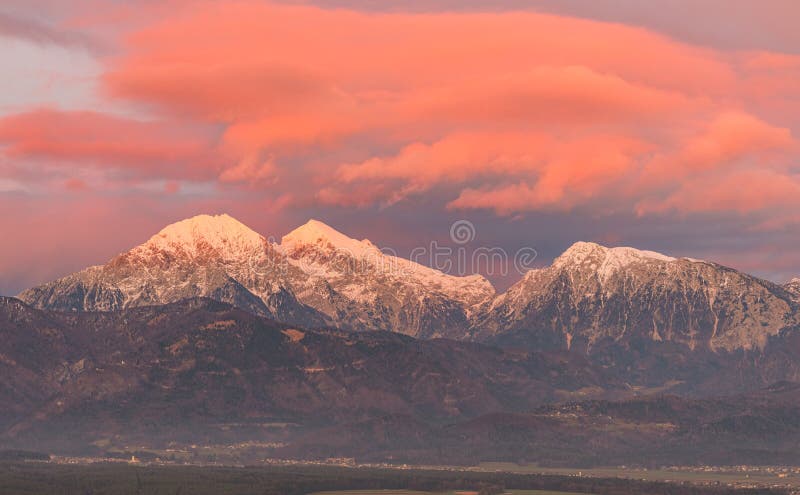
(606, 261)
(308, 245)
(361, 287)
(589, 252)
(317, 233)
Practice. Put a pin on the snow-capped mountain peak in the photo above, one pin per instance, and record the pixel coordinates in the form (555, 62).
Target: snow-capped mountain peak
(222, 233)
(605, 261)
(316, 233)
(590, 253)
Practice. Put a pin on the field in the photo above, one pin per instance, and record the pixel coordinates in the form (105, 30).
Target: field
(457, 492)
(763, 476)
(47, 478)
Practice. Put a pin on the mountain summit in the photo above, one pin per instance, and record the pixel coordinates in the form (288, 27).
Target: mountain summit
(316, 233)
(606, 260)
(222, 234)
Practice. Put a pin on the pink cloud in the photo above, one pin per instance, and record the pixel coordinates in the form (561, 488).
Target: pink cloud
(75, 185)
(91, 139)
(730, 137)
(742, 191)
(568, 174)
(501, 108)
(494, 110)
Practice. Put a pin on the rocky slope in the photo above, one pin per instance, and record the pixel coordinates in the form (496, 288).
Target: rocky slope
(793, 287)
(200, 370)
(358, 286)
(593, 296)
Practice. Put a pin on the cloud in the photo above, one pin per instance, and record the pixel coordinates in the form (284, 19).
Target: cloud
(560, 166)
(475, 109)
(31, 30)
(707, 171)
(732, 139)
(743, 191)
(75, 185)
(81, 139)
(499, 110)
(568, 173)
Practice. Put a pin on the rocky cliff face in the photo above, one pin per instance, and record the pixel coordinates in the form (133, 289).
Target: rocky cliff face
(793, 287)
(592, 296)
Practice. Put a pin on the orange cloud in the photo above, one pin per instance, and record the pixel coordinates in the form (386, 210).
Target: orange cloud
(569, 174)
(729, 138)
(743, 191)
(291, 76)
(713, 166)
(559, 166)
(70, 138)
(75, 185)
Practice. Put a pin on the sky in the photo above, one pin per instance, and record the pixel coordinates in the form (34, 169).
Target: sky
(663, 125)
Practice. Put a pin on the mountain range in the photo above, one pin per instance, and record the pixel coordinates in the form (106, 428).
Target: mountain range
(319, 277)
(321, 345)
(314, 277)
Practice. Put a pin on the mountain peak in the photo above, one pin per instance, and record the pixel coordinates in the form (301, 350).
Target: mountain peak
(318, 233)
(221, 232)
(589, 252)
(582, 250)
(605, 260)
